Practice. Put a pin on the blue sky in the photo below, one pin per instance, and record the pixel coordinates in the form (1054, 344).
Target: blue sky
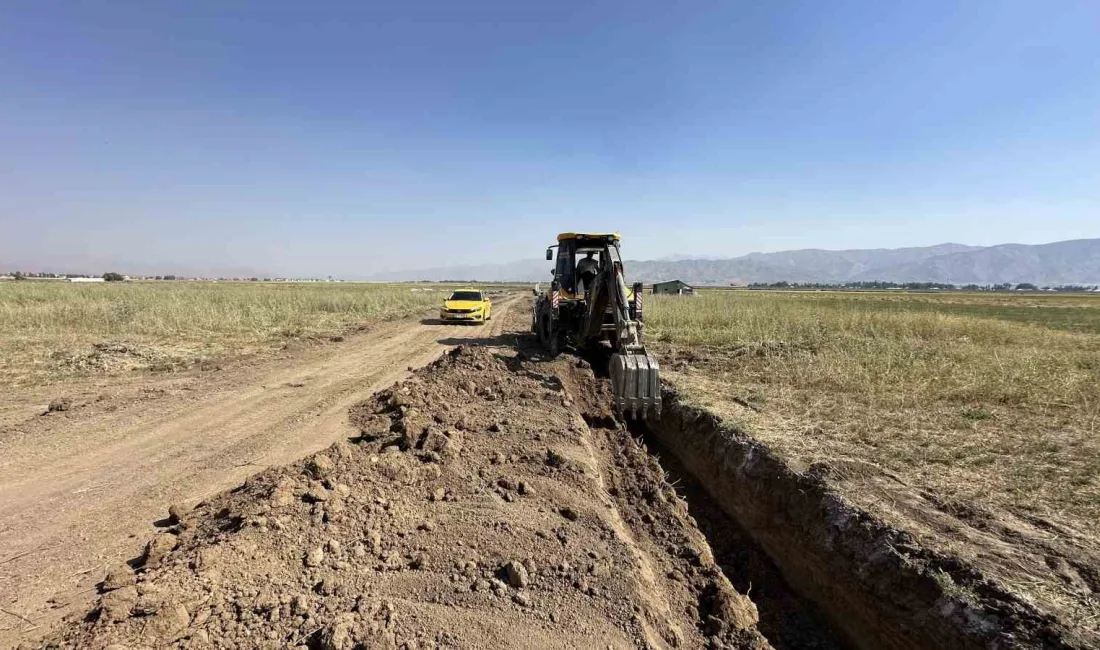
(350, 138)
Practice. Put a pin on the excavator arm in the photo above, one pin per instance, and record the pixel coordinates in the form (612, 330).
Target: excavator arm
(635, 374)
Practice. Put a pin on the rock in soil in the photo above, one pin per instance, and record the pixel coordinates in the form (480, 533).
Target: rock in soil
(116, 605)
(59, 404)
(158, 548)
(517, 574)
(175, 513)
(118, 577)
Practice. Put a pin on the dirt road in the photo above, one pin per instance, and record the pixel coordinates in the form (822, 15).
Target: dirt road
(80, 489)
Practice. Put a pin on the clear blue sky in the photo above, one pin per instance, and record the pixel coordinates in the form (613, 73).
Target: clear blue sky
(356, 137)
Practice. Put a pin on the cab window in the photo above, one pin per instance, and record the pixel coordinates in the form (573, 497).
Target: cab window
(565, 267)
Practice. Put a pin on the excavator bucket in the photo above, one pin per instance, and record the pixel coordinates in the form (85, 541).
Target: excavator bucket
(636, 384)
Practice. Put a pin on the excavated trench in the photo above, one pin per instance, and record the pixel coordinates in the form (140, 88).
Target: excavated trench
(789, 620)
(823, 573)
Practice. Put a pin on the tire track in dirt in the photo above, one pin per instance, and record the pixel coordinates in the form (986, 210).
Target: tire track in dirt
(78, 493)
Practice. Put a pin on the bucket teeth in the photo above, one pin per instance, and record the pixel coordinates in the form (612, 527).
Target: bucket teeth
(636, 384)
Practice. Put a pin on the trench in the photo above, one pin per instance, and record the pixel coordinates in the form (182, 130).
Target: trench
(823, 573)
(787, 619)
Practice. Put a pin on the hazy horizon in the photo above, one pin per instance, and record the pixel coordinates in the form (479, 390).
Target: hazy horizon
(521, 265)
(352, 139)
(95, 266)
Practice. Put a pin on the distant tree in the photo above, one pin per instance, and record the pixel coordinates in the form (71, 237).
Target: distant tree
(18, 275)
(169, 277)
(1026, 286)
(111, 276)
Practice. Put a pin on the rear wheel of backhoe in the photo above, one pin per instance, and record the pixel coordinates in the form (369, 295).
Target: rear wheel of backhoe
(547, 336)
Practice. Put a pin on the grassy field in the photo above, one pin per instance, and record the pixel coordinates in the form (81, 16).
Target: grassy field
(52, 330)
(1069, 312)
(987, 399)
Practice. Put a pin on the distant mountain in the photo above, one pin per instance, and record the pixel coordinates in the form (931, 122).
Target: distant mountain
(680, 257)
(1068, 262)
(809, 265)
(838, 266)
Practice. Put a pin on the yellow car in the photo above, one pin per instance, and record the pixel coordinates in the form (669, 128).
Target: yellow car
(466, 305)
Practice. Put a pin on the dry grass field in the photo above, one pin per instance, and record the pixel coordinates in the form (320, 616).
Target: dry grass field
(55, 330)
(984, 399)
(968, 420)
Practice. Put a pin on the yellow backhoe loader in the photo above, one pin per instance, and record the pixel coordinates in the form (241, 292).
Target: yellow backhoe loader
(589, 306)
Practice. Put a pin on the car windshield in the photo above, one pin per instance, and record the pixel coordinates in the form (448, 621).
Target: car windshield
(466, 295)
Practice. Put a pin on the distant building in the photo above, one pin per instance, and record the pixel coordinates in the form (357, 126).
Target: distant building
(86, 280)
(674, 288)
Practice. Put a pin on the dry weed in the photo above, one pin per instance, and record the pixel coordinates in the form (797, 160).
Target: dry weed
(977, 407)
(53, 330)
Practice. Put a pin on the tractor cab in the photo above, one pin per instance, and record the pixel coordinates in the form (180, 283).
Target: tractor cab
(575, 252)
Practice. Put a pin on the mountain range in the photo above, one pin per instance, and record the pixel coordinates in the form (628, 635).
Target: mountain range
(1059, 263)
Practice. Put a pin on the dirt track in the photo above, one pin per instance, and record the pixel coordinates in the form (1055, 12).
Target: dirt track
(79, 489)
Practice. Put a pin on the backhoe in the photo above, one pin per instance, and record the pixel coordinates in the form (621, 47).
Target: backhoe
(588, 307)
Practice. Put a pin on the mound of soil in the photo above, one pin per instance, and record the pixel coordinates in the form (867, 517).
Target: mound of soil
(486, 503)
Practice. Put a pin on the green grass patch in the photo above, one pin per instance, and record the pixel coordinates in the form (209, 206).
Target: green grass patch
(976, 414)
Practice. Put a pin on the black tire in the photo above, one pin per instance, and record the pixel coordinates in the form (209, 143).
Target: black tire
(545, 330)
(541, 328)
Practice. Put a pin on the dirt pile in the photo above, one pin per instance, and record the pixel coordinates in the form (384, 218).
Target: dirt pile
(486, 503)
